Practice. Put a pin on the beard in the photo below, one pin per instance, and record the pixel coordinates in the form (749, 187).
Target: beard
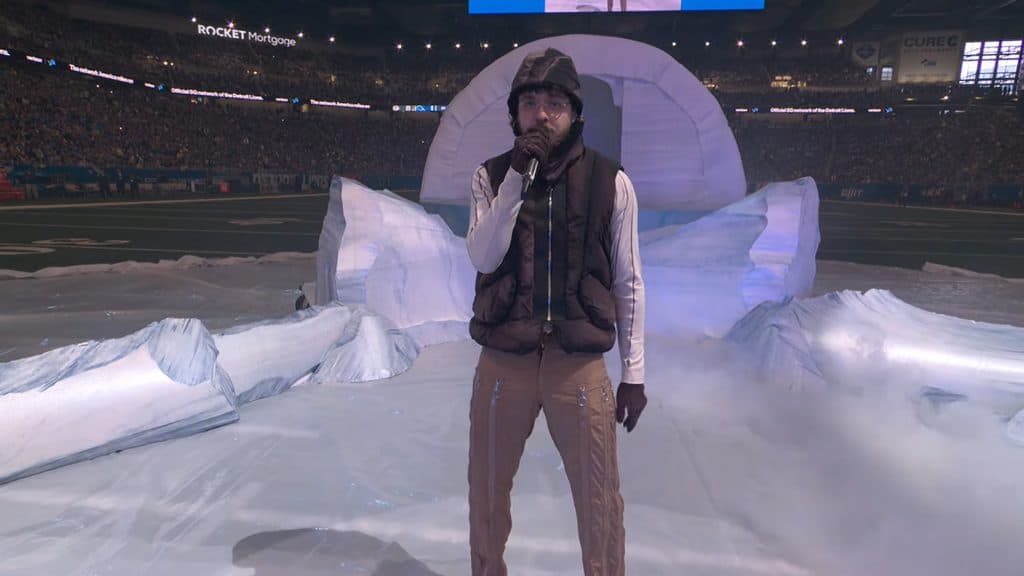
(556, 136)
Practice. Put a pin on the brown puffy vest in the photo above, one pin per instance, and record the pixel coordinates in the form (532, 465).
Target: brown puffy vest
(511, 304)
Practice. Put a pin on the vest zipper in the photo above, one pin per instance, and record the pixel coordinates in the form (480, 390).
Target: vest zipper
(551, 201)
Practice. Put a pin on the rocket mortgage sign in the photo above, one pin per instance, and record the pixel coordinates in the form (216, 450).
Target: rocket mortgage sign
(232, 33)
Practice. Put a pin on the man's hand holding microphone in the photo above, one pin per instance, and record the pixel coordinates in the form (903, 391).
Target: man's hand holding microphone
(530, 151)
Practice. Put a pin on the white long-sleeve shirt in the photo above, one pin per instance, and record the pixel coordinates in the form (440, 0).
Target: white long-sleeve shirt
(492, 218)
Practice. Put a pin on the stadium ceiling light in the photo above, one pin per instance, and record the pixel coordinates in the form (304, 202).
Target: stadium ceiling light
(331, 39)
(674, 43)
(803, 42)
(515, 44)
(193, 19)
(774, 43)
(458, 45)
(301, 34)
(231, 24)
(739, 43)
(485, 45)
(398, 46)
(839, 42)
(266, 30)
(429, 46)
(707, 43)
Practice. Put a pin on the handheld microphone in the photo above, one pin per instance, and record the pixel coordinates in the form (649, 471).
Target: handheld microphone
(529, 176)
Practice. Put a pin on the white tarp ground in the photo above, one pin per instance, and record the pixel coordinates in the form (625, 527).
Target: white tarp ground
(728, 473)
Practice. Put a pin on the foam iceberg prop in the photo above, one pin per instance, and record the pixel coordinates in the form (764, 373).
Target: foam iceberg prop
(854, 342)
(703, 276)
(371, 348)
(784, 253)
(95, 398)
(266, 358)
(388, 253)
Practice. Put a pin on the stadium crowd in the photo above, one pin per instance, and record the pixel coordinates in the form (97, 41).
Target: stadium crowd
(58, 121)
(978, 147)
(50, 118)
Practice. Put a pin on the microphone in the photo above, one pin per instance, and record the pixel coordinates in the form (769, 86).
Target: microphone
(529, 176)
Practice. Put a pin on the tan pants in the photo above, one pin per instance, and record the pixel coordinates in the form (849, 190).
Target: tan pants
(579, 405)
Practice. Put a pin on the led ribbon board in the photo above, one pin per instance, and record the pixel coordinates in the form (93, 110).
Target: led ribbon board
(579, 6)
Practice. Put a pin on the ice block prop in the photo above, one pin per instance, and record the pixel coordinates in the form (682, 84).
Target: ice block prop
(387, 253)
(704, 276)
(267, 357)
(784, 253)
(371, 349)
(90, 399)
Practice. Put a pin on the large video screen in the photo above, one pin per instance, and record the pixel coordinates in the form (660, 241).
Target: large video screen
(577, 6)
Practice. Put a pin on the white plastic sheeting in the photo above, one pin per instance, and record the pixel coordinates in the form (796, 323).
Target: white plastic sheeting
(265, 358)
(704, 276)
(95, 398)
(675, 144)
(173, 379)
(784, 254)
(385, 252)
(851, 341)
(371, 348)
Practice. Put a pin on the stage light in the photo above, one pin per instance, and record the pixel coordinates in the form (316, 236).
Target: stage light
(266, 30)
(485, 45)
(515, 44)
(458, 45)
(674, 44)
(301, 34)
(193, 19)
(839, 42)
(231, 24)
(429, 46)
(707, 44)
(803, 42)
(398, 46)
(331, 39)
(739, 43)
(774, 43)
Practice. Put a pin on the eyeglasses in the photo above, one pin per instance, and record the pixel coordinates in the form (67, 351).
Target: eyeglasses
(553, 108)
